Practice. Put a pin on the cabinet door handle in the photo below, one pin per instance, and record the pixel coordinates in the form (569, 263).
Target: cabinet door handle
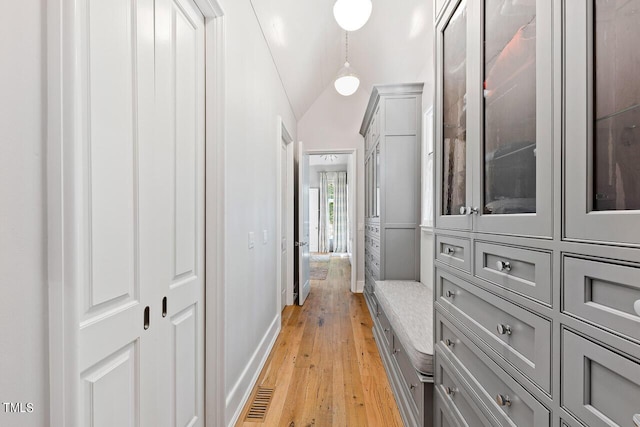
(504, 329)
(145, 322)
(412, 387)
(636, 307)
(450, 294)
(468, 210)
(386, 329)
(449, 391)
(164, 307)
(503, 400)
(503, 266)
(449, 343)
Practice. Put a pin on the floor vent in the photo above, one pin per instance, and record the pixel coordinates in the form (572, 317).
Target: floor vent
(260, 405)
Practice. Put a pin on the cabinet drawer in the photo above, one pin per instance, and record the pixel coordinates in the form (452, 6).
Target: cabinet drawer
(600, 387)
(521, 270)
(489, 382)
(603, 294)
(454, 252)
(517, 335)
(411, 378)
(386, 330)
(443, 415)
(458, 398)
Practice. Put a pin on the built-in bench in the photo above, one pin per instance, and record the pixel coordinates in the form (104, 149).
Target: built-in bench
(403, 328)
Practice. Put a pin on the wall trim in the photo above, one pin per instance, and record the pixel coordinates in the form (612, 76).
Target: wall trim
(283, 135)
(241, 391)
(360, 287)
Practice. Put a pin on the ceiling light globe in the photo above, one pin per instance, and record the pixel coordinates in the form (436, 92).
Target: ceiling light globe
(351, 15)
(347, 85)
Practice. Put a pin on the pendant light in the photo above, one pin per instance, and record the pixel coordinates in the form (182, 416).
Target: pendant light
(347, 80)
(351, 15)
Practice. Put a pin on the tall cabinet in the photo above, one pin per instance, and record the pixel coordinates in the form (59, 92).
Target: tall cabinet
(391, 129)
(537, 247)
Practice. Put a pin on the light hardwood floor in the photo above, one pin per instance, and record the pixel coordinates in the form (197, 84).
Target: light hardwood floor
(325, 366)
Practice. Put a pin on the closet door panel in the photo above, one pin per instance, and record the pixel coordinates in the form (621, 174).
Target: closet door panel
(602, 104)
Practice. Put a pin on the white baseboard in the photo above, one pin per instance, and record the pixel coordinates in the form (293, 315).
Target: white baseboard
(360, 286)
(241, 391)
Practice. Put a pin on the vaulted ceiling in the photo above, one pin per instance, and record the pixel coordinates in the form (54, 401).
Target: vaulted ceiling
(308, 46)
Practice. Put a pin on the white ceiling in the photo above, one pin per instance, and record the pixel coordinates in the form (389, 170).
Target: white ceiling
(308, 45)
(320, 160)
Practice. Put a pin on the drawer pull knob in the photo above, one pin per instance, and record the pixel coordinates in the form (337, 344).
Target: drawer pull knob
(396, 350)
(449, 343)
(386, 329)
(503, 265)
(450, 294)
(412, 387)
(636, 307)
(503, 400)
(504, 329)
(450, 251)
(449, 391)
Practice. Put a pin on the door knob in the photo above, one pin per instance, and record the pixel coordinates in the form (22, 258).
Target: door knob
(504, 329)
(468, 210)
(503, 265)
(503, 400)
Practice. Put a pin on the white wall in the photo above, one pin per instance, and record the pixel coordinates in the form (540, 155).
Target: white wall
(23, 290)
(333, 122)
(254, 99)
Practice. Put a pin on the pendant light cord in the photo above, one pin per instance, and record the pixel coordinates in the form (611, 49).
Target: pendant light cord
(346, 46)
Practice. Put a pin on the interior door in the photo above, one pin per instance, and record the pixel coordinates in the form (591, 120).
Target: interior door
(112, 263)
(303, 243)
(314, 219)
(179, 157)
(138, 206)
(284, 216)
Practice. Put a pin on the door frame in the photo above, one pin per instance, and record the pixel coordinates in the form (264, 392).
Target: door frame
(352, 203)
(63, 138)
(283, 135)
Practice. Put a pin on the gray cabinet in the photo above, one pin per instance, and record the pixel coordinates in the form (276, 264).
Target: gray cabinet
(392, 132)
(537, 218)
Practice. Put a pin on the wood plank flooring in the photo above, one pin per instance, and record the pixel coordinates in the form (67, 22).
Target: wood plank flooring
(325, 366)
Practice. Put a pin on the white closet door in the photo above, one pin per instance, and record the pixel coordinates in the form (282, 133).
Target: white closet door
(115, 121)
(141, 213)
(179, 213)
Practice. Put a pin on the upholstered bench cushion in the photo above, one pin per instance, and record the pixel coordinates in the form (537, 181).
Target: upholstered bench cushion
(409, 308)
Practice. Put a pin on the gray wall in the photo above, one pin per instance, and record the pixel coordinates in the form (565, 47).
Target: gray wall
(23, 291)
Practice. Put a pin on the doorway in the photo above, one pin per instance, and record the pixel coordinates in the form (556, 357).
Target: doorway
(332, 210)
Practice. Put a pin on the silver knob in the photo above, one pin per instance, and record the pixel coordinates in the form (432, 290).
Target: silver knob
(449, 391)
(503, 400)
(449, 343)
(463, 210)
(503, 265)
(450, 294)
(468, 210)
(412, 387)
(504, 329)
(450, 251)
(386, 329)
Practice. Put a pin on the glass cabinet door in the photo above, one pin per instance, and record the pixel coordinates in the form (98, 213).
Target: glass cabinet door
(514, 192)
(602, 180)
(451, 131)
(377, 186)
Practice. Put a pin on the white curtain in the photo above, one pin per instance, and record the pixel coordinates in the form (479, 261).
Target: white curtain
(323, 236)
(340, 214)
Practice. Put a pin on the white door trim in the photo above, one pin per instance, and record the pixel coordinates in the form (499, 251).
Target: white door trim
(353, 205)
(63, 187)
(283, 135)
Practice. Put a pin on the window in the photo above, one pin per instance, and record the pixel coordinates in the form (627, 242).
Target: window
(331, 204)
